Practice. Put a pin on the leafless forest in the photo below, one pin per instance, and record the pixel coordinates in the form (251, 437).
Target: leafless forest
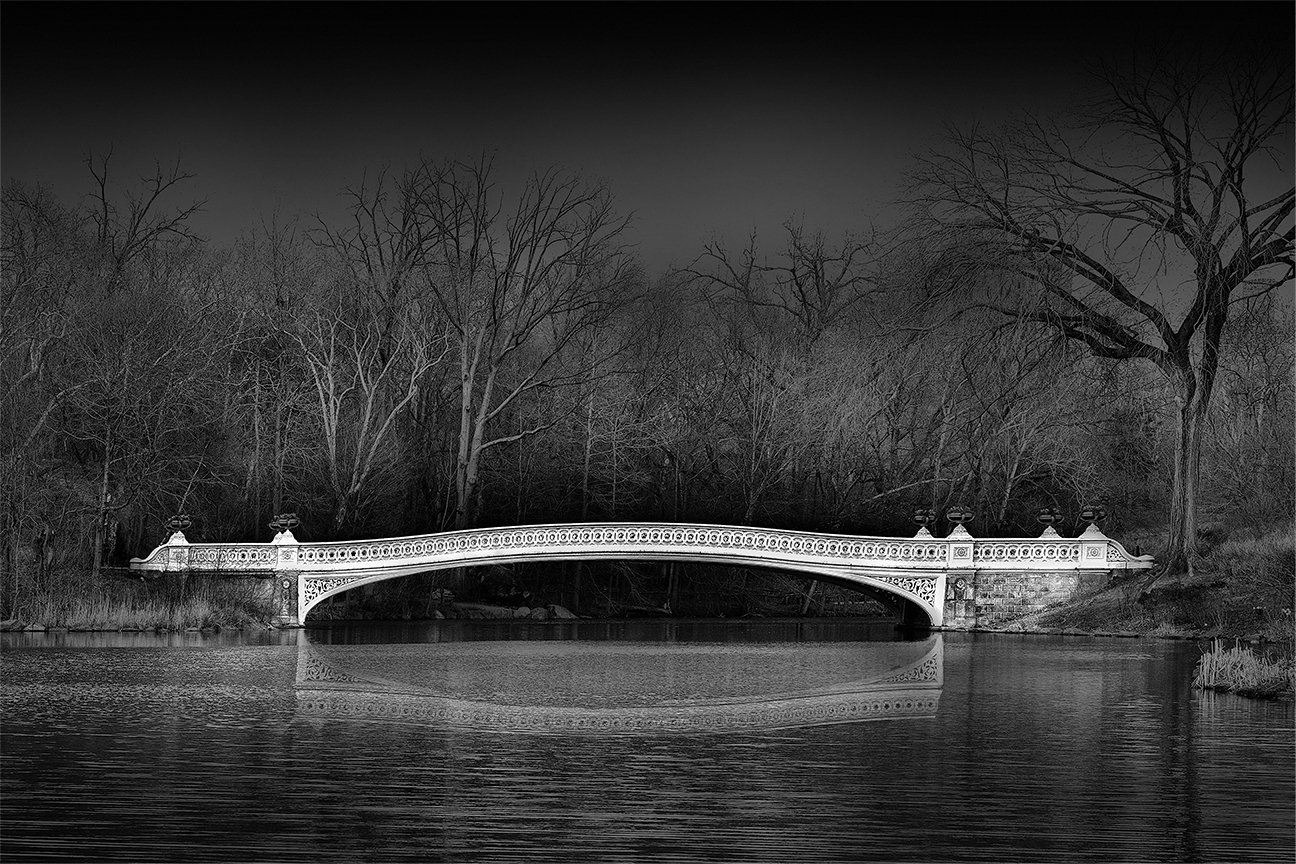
(1093, 308)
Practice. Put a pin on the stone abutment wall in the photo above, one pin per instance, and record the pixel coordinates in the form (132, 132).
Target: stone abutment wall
(993, 598)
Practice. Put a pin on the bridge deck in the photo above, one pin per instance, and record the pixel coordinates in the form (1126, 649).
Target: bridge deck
(777, 547)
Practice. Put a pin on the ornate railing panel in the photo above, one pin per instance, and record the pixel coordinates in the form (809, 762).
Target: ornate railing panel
(216, 557)
(624, 538)
(991, 552)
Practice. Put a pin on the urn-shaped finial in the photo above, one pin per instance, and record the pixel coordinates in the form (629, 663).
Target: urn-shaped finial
(284, 522)
(959, 514)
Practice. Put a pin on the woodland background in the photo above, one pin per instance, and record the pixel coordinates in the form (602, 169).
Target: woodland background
(458, 354)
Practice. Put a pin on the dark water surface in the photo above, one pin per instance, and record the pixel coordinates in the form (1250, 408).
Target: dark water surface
(700, 741)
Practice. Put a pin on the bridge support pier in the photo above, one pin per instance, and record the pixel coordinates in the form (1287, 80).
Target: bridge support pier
(286, 593)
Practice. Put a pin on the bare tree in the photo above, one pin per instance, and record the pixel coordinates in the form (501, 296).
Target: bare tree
(101, 347)
(269, 280)
(382, 246)
(132, 223)
(42, 252)
(363, 383)
(811, 281)
(1028, 413)
(1134, 232)
(768, 423)
(147, 365)
(1248, 450)
(516, 286)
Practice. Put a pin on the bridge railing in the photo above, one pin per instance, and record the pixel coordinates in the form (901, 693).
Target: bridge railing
(1091, 550)
(216, 557)
(662, 538)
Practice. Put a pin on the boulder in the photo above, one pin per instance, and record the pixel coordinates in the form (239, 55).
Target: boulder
(557, 611)
(539, 613)
(522, 612)
(482, 610)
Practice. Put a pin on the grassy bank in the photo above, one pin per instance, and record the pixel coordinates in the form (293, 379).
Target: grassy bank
(128, 603)
(1241, 670)
(1242, 588)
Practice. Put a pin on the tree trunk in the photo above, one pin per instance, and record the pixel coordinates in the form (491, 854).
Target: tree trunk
(254, 487)
(101, 511)
(12, 542)
(589, 456)
(1010, 481)
(472, 429)
(1181, 546)
(809, 597)
(276, 503)
(340, 516)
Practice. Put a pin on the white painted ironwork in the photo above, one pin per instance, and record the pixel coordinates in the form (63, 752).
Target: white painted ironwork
(913, 568)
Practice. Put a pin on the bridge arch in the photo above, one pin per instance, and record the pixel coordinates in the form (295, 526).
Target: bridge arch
(903, 595)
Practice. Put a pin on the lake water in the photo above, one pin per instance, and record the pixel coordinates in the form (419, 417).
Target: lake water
(591, 741)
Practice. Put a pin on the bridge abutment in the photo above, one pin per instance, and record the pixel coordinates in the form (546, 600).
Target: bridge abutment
(994, 598)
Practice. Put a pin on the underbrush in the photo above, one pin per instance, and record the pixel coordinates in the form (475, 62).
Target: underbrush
(1241, 670)
(128, 603)
(1266, 562)
(1243, 587)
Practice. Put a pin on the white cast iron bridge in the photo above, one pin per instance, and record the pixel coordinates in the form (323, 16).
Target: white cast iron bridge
(914, 569)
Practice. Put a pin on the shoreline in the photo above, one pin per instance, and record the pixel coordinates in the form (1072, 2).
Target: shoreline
(1253, 638)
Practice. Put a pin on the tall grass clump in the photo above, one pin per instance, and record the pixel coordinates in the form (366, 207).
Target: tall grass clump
(1267, 561)
(1240, 670)
(166, 603)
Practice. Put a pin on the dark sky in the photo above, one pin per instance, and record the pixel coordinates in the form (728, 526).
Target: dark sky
(704, 119)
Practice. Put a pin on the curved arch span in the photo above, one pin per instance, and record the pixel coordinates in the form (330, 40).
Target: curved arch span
(915, 595)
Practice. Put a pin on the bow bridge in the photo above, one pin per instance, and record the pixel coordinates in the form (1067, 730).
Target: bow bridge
(956, 581)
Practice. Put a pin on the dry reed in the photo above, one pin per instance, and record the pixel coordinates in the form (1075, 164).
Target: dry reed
(161, 605)
(1240, 670)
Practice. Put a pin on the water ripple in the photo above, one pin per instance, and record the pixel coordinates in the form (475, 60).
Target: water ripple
(1058, 750)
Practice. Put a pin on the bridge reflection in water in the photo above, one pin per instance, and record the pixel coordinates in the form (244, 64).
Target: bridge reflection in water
(606, 688)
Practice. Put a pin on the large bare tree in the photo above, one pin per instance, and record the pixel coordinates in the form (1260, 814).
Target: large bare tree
(363, 383)
(517, 280)
(1135, 228)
